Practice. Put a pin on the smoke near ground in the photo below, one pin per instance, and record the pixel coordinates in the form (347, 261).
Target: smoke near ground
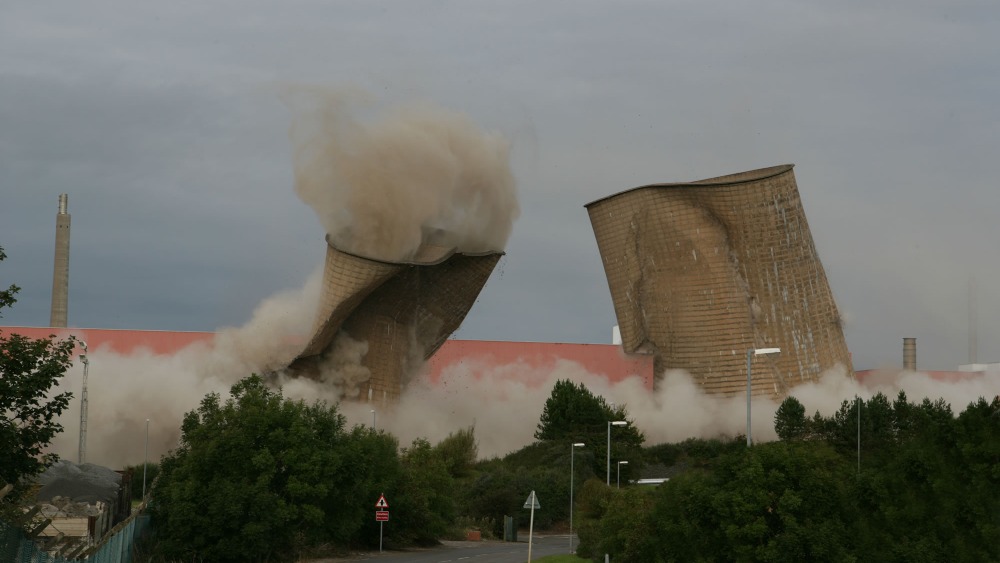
(503, 402)
(126, 390)
(417, 174)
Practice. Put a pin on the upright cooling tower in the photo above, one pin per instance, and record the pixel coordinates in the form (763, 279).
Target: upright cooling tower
(702, 272)
(60, 270)
(404, 311)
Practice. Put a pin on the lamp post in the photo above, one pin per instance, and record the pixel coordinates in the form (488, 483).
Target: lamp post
(373, 419)
(750, 354)
(572, 477)
(620, 464)
(859, 435)
(145, 461)
(607, 480)
(82, 454)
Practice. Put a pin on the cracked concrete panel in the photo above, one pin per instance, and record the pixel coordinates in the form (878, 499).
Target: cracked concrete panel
(402, 312)
(701, 272)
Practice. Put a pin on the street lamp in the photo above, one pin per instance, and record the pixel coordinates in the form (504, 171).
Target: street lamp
(607, 480)
(82, 454)
(373, 419)
(572, 477)
(859, 435)
(620, 464)
(145, 461)
(750, 354)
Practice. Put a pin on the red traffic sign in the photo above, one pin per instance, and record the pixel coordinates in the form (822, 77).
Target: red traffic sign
(381, 515)
(381, 502)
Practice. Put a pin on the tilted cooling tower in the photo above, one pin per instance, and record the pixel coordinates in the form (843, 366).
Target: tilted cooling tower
(404, 311)
(701, 272)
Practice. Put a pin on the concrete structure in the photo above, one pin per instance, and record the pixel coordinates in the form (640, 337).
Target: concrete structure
(910, 354)
(701, 272)
(527, 360)
(475, 357)
(404, 311)
(60, 270)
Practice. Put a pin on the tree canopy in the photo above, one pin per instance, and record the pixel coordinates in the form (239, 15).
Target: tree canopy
(29, 371)
(257, 477)
(925, 490)
(572, 413)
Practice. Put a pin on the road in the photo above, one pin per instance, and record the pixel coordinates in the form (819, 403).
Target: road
(468, 552)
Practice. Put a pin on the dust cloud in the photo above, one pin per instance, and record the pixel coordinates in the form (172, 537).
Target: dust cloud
(502, 402)
(124, 390)
(414, 175)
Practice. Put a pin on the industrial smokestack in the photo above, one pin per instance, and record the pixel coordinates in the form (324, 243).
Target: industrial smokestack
(910, 354)
(60, 271)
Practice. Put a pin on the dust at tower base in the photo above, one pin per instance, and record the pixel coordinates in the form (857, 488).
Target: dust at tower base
(701, 272)
(398, 313)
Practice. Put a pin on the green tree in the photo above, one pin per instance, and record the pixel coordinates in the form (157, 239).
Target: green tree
(263, 477)
(459, 451)
(29, 370)
(790, 420)
(426, 504)
(774, 502)
(572, 413)
(7, 295)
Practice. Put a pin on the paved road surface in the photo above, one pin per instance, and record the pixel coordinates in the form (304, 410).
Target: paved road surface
(469, 552)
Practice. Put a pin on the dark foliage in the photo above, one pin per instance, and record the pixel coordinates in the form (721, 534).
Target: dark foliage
(29, 370)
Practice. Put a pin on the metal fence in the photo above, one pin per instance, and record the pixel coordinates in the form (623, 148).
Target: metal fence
(117, 546)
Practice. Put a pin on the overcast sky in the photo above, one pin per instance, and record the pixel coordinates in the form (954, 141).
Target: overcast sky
(164, 125)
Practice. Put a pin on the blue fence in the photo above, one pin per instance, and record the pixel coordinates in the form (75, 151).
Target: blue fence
(118, 546)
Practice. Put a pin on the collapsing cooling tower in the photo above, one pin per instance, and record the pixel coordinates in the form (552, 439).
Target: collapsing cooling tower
(704, 271)
(404, 311)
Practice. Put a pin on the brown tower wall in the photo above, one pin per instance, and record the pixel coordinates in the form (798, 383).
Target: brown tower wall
(701, 272)
(403, 311)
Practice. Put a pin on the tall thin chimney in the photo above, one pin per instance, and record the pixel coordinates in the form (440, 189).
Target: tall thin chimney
(60, 271)
(973, 334)
(910, 354)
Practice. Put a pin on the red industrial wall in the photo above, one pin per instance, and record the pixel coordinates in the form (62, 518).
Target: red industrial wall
(476, 355)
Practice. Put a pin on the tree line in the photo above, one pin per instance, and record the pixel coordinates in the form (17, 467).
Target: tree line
(927, 488)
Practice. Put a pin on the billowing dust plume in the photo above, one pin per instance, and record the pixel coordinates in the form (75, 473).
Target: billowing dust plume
(503, 402)
(125, 390)
(417, 175)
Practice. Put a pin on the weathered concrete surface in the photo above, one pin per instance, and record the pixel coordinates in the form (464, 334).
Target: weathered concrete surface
(404, 311)
(701, 272)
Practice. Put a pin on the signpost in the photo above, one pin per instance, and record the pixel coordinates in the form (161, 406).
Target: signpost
(531, 503)
(382, 516)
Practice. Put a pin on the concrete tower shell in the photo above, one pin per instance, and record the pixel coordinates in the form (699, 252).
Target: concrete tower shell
(701, 272)
(403, 310)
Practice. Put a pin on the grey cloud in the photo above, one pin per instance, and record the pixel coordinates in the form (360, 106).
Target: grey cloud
(164, 126)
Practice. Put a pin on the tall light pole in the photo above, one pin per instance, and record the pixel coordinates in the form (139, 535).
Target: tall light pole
(373, 419)
(607, 480)
(82, 455)
(620, 464)
(859, 435)
(572, 477)
(145, 461)
(750, 354)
